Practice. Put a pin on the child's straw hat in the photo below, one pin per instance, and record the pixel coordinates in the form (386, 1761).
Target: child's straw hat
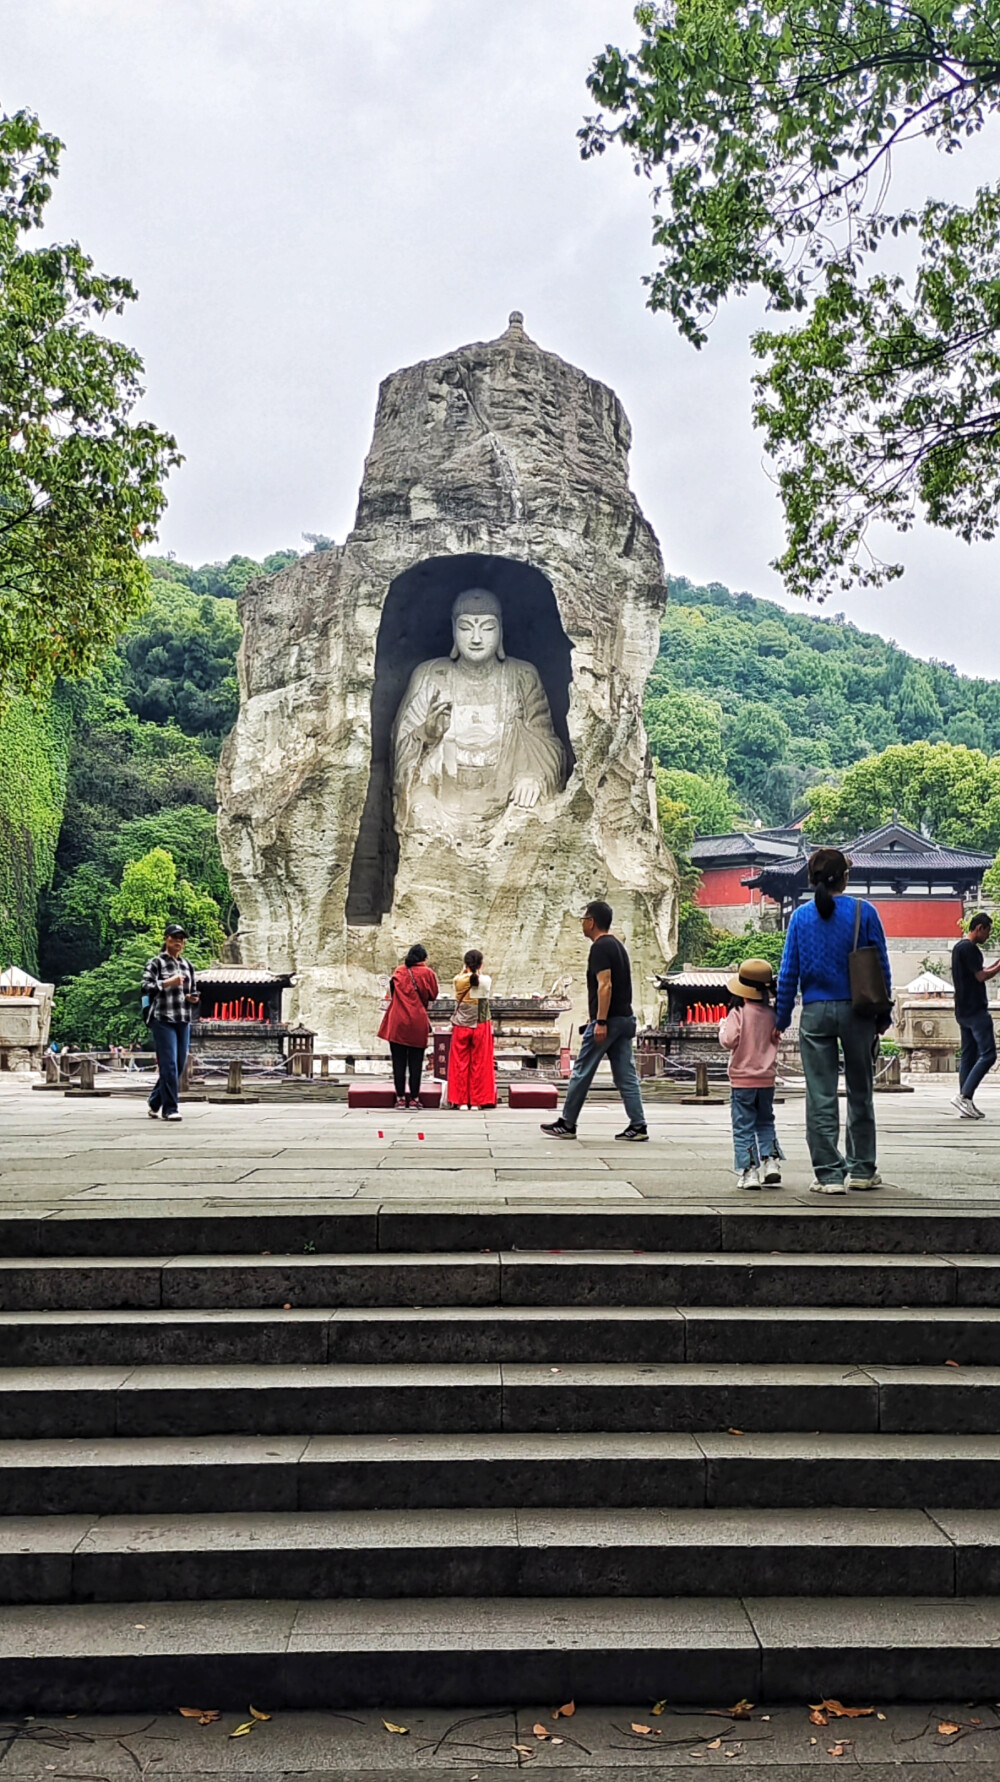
(755, 976)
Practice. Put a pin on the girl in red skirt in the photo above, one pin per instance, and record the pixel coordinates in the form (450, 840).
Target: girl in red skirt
(471, 1072)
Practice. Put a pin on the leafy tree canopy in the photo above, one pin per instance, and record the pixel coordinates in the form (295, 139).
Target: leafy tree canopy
(179, 661)
(946, 790)
(81, 483)
(770, 128)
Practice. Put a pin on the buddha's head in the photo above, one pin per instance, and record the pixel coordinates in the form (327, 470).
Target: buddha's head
(477, 627)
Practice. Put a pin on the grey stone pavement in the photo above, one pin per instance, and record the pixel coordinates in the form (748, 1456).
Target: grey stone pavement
(58, 1155)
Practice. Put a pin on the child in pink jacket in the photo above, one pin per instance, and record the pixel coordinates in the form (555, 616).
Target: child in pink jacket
(751, 1038)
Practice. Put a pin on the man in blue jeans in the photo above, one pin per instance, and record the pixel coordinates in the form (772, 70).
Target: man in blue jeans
(609, 1032)
(168, 984)
(969, 975)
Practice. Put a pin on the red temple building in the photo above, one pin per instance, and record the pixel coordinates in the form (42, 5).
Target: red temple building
(920, 889)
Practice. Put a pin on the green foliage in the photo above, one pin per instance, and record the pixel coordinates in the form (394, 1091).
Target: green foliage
(179, 661)
(81, 485)
(708, 797)
(950, 792)
(132, 786)
(34, 746)
(753, 943)
(841, 694)
(151, 895)
(771, 129)
(223, 580)
(991, 882)
(686, 732)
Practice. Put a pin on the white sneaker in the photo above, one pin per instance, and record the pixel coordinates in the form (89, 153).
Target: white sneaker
(771, 1172)
(966, 1108)
(173, 1116)
(748, 1178)
(872, 1181)
(827, 1188)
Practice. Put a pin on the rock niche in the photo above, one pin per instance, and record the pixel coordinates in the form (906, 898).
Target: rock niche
(440, 733)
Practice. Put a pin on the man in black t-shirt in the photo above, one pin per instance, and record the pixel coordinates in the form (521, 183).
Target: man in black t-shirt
(969, 975)
(610, 1030)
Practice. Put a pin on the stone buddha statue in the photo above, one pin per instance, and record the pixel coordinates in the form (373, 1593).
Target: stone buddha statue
(473, 733)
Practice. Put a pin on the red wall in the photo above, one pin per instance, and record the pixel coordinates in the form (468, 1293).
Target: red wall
(721, 884)
(903, 918)
(921, 918)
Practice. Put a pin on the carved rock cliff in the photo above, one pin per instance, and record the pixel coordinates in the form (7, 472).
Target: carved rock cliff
(497, 465)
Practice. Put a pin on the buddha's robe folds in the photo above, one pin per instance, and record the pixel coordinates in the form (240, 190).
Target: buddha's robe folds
(499, 731)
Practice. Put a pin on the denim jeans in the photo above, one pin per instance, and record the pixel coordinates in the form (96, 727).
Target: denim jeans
(826, 1029)
(979, 1050)
(754, 1137)
(171, 1039)
(617, 1044)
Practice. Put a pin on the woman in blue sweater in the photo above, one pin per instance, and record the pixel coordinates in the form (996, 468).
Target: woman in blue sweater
(820, 937)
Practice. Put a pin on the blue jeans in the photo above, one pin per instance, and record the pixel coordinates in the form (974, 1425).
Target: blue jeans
(979, 1050)
(617, 1044)
(825, 1030)
(171, 1039)
(754, 1137)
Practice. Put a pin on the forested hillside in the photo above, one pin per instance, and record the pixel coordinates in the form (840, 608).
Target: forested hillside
(760, 703)
(135, 806)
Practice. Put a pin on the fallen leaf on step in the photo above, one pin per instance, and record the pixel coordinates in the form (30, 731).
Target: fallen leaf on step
(554, 1741)
(880, 1716)
(525, 1750)
(239, 1731)
(953, 1364)
(659, 1707)
(948, 1726)
(636, 1728)
(257, 1713)
(817, 1718)
(204, 1716)
(568, 1709)
(540, 1731)
(713, 1745)
(287, 1306)
(736, 1432)
(840, 1749)
(390, 1726)
(837, 1711)
(741, 1709)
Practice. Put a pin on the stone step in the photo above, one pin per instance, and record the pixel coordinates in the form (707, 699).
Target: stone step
(869, 1336)
(450, 1651)
(503, 1553)
(859, 1223)
(166, 1475)
(340, 1399)
(515, 1278)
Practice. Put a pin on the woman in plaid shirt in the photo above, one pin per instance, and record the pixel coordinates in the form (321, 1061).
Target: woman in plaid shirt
(169, 983)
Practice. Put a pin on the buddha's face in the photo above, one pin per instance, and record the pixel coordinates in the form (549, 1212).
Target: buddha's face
(477, 636)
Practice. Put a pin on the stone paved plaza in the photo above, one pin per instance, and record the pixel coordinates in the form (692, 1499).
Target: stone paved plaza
(59, 1153)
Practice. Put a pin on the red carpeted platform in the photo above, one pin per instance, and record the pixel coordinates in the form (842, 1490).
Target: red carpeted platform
(383, 1095)
(533, 1095)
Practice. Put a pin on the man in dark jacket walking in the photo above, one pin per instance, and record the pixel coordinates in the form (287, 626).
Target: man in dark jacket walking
(168, 984)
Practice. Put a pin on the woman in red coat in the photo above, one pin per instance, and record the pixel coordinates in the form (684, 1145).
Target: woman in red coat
(406, 1024)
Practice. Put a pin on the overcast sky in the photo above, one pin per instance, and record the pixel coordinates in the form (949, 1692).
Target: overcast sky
(311, 193)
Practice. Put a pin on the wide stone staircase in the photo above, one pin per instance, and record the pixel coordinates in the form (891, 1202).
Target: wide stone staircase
(444, 1455)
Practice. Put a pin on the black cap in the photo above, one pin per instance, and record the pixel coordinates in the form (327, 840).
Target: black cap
(174, 931)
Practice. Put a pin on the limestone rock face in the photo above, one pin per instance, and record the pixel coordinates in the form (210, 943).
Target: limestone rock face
(497, 466)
